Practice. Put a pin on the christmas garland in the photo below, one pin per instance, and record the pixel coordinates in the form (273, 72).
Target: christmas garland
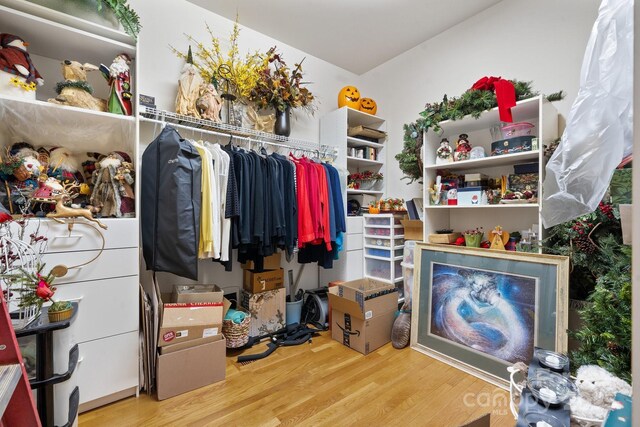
(472, 102)
(71, 83)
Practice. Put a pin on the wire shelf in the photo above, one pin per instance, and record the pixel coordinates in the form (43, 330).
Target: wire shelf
(153, 115)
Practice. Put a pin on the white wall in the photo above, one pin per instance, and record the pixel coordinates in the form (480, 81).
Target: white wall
(541, 40)
(165, 23)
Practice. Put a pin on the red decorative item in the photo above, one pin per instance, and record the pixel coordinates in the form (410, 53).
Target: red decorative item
(505, 94)
(459, 241)
(485, 244)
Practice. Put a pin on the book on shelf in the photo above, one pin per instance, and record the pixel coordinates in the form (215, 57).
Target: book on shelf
(418, 202)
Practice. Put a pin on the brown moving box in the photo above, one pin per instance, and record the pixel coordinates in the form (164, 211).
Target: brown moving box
(413, 229)
(197, 293)
(267, 280)
(271, 262)
(362, 313)
(180, 322)
(184, 370)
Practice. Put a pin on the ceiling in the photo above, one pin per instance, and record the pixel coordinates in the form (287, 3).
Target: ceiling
(356, 35)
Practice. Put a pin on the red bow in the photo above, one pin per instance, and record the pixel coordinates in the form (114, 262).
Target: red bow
(505, 94)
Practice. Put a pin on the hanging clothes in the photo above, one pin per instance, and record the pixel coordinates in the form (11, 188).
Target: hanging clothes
(171, 204)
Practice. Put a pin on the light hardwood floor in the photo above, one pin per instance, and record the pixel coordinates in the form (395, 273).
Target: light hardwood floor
(322, 384)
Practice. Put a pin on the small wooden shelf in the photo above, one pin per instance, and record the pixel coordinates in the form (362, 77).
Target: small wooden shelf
(488, 162)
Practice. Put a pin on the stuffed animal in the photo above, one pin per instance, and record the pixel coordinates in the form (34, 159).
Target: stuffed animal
(75, 91)
(18, 75)
(597, 389)
(64, 165)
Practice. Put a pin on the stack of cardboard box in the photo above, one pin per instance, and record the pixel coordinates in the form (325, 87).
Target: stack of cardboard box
(263, 295)
(191, 347)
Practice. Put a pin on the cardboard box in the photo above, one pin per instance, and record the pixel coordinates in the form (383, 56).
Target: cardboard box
(180, 322)
(446, 239)
(267, 280)
(271, 262)
(197, 293)
(470, 196)
(267, 310)
(362, 313)
(413, 229)
(187, 344)
(187, 369)
(475, 177)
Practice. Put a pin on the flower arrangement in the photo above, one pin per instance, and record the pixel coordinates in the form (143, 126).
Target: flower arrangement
(474, 232)
(391, 204)
(279, 87)
(39, 290)
(215, 65)
(473, 237)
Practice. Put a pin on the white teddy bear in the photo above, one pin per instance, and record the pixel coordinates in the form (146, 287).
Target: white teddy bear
(597, 389)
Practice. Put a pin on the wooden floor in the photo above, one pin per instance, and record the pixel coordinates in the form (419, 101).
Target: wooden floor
(322, 384)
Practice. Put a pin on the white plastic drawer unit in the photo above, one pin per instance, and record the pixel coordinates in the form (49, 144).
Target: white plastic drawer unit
(120, 233)
(110, 263)
(382, 269)
(105, 307)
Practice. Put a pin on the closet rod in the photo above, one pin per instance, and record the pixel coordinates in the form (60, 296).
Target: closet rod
(245, 138)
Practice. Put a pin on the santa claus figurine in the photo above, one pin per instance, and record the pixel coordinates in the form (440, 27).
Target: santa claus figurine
(18, 75)
(119, 78)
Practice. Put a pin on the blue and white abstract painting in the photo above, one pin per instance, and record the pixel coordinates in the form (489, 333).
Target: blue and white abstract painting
(486, 311)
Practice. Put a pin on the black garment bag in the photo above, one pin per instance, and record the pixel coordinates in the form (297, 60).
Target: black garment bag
(170, 205)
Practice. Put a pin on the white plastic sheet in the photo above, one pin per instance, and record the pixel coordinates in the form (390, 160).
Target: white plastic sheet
(599, 129)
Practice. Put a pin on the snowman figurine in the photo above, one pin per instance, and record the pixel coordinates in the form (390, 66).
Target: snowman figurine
(18, 76)
(444, 152)
(463, 148)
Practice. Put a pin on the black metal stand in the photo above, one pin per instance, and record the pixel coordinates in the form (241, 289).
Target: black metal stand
(45, 377)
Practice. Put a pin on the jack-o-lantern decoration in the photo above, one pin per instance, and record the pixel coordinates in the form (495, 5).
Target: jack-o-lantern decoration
(349, 96)
(368, 105)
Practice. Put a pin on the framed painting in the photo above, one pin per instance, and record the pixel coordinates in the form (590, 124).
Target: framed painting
(483, 310)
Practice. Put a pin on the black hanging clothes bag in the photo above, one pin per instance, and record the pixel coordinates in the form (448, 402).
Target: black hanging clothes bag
(170, 206)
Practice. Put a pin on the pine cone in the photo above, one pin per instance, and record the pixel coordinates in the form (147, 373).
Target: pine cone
(584, 244)
(614, 348)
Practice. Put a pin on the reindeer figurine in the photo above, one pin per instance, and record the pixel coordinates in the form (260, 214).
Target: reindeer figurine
(75, 91)
(63, 211)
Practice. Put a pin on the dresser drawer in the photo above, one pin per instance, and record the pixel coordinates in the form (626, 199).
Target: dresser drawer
(107, 366)
(111, 263)
(354, 225)
(105, 307)
(353, 242)
(121, 233)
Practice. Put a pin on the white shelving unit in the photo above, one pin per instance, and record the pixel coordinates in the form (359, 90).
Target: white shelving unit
(383, 247)
(512, 217)
(108, 342)
(334, 127)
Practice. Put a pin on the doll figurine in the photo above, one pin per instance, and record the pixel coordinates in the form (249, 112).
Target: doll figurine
(463, 148)
(189, 89)
(444, 152)
(209, 103)
(113, 192)
(119, 78)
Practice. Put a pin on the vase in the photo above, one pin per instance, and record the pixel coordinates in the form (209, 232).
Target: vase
(473, 240)
(282, 126)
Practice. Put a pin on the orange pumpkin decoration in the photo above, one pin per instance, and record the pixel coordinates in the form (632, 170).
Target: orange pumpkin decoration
(368, 105)
(349, 96)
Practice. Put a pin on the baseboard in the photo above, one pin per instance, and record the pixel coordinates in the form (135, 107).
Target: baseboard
(105, 400)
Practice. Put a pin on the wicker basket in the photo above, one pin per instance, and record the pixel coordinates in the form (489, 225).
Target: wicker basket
(22, 173)
(237, 334)
(59, 316)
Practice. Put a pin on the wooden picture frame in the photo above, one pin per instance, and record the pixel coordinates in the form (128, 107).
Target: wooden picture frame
(482, 310)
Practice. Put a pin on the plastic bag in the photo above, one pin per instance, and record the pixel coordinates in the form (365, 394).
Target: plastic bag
(599, 131)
